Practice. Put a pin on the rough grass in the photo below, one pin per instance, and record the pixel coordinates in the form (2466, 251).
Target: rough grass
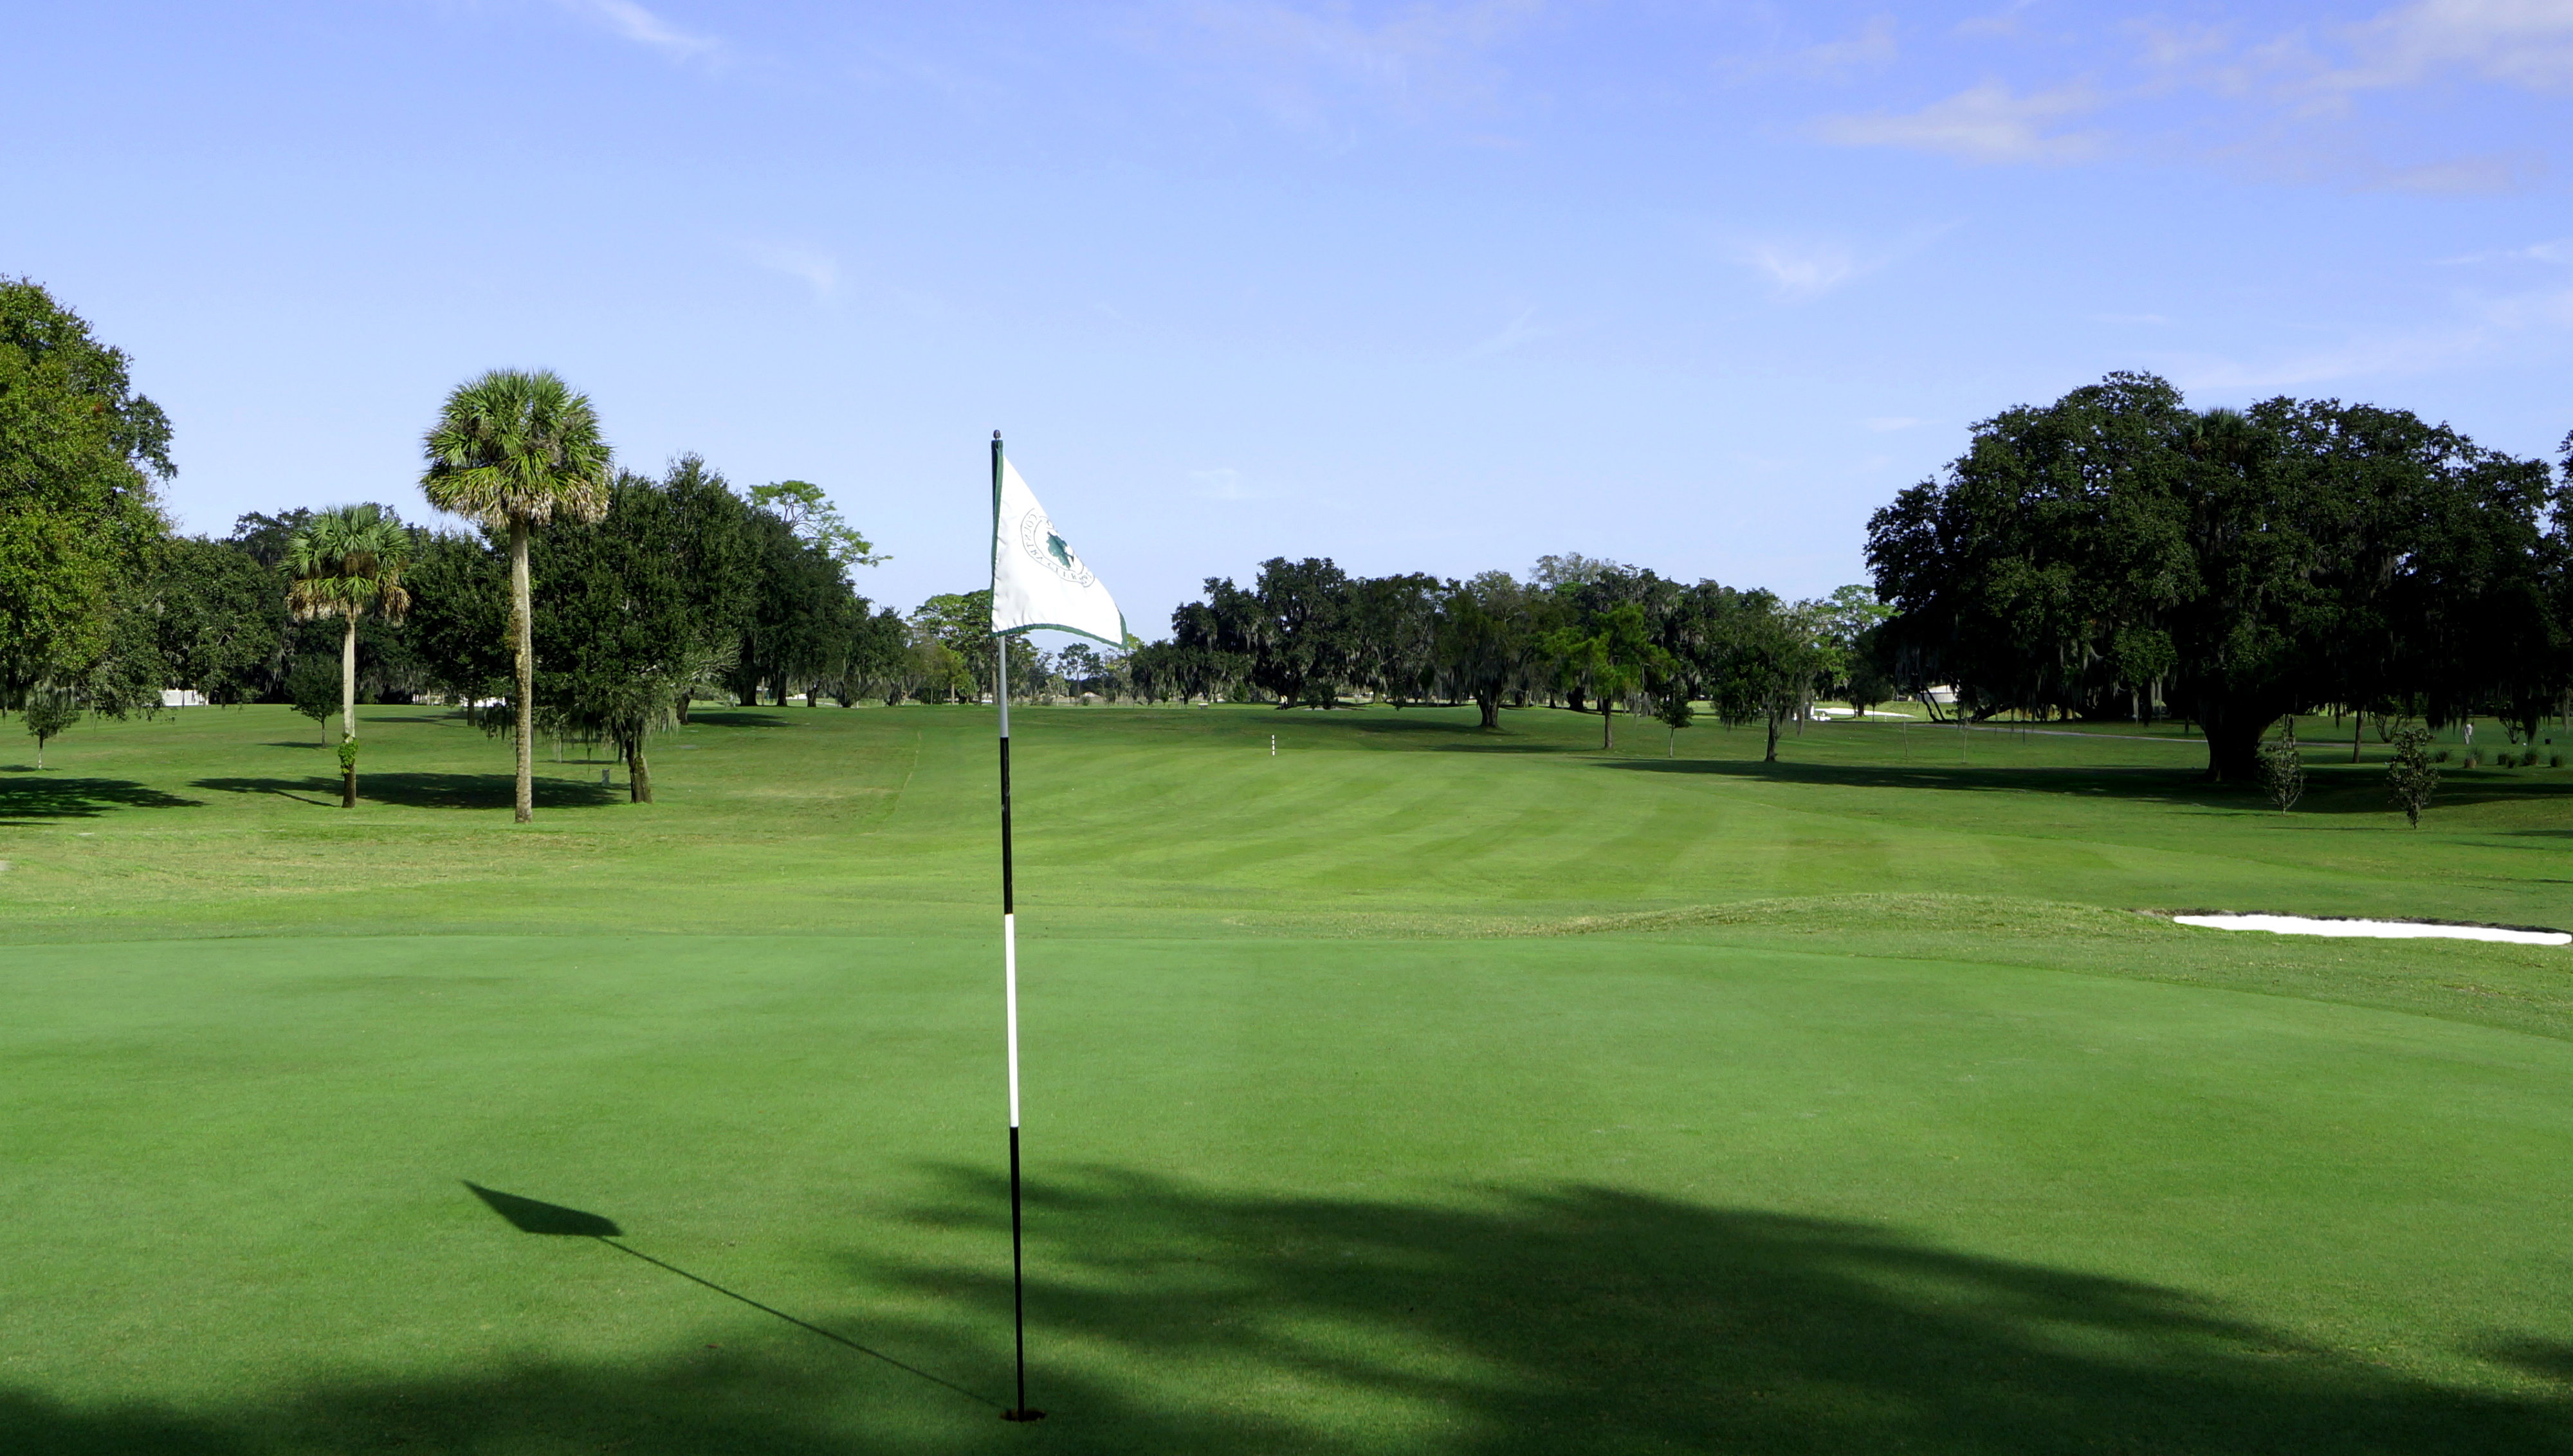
(1415, 1089)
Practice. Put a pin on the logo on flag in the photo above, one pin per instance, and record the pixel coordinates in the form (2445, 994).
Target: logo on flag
(1036, 535)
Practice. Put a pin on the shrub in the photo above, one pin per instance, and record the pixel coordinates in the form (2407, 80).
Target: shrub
(48, 711)
(2410, 776)
(2440, 757)
(313, 685)
(2282, 771)
(2555, 760)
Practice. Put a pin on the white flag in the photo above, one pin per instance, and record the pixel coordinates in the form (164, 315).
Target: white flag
(1037, 581)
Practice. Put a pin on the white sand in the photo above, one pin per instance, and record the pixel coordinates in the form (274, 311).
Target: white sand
(2384, 930)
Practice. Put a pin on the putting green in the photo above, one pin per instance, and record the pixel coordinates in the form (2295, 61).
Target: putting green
(1472, 1102)
(1507, 1195)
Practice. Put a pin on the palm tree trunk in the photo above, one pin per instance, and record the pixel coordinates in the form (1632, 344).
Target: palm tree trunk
(349, 680)
(523, 640)
(349, 706)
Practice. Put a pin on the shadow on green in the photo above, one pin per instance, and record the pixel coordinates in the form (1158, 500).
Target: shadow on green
(1573, 1318)
(2333, 790)
(47, 796)
(527, 1216)
(530, 1216)
(426, 791)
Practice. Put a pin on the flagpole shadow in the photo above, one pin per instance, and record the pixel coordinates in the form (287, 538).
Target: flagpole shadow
(530, 1216)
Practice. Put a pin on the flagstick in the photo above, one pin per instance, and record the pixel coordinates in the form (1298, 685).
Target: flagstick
(1010, 997)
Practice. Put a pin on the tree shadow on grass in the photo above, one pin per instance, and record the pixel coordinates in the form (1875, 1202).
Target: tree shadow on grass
(1588, 1319)
(2328, 790)
(736, 718)
(1419, 729)
(38, 797)
(428, 791)
(1165, 1317)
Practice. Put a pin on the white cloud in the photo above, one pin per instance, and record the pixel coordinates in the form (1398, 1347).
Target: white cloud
(811, 266)
(2460, 176)
(1798, 273)
(2492, 330)
(2407, 354)
(1299, 60)
(1987, 123)
(2521, 42)
(1521, 328)
(645, 28)
(1801, 271)
(1222, 483)
(2003, 22)
(1872, 49)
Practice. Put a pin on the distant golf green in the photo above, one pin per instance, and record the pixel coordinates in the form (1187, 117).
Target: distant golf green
(1411, 1090)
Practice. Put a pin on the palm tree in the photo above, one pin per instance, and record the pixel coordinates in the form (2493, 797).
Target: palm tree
(344, 563)
(519, 449)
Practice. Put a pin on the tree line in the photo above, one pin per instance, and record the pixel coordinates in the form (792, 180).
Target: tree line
(1587, 634)
(2113, 554)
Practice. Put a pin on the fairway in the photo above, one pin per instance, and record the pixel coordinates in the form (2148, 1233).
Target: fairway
(1411, 1088)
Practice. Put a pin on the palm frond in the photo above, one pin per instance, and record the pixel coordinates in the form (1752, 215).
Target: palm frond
(348, 561)
(513, 448)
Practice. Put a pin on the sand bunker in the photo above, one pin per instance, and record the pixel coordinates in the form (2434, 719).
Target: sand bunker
(2384, 929)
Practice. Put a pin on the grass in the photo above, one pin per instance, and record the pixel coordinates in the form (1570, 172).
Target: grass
(1411, 1090)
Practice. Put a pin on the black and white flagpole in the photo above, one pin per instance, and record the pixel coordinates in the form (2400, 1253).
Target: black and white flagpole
(1009, 988)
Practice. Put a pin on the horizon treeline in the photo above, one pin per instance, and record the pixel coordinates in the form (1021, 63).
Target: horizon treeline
(2113, 554)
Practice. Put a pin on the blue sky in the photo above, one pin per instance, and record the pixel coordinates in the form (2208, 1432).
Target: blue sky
(1435, 287)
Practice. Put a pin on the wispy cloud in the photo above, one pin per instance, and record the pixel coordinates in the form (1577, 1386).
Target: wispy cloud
(1302, 62)
(809, 265)
(2003, 22)
(631, 21)
(1799, 270)
(2519, 42)
(1222, 483)
(2487, 331)
(2379, 354)
(2557, 250)
(2460, 176)
(1522, 328)
(1872, 49)
(2302, 102)
(1986, 122)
